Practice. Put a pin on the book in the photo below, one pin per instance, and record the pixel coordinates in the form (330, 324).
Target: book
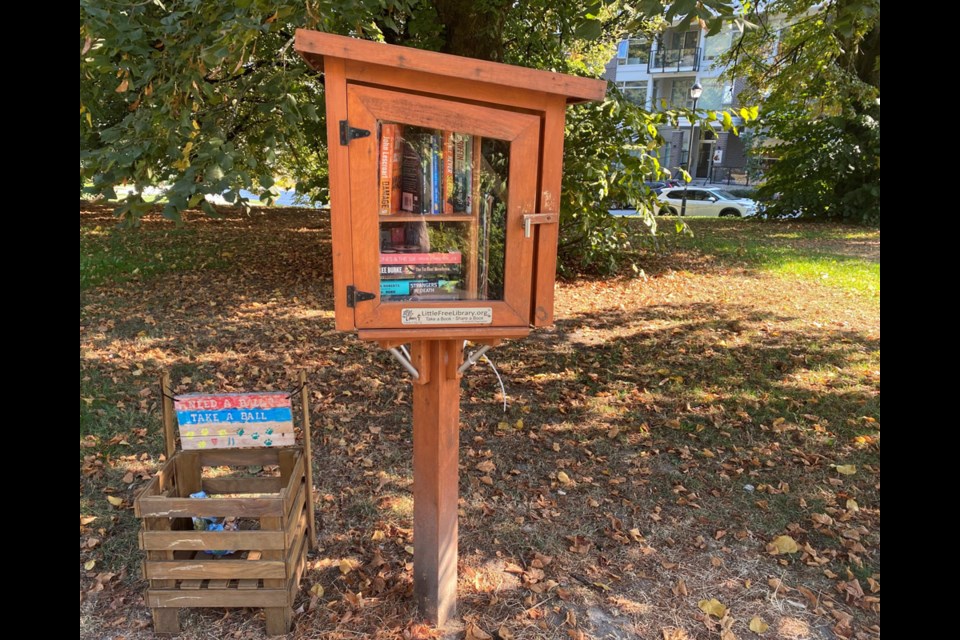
(436, 174)
(448, 158)
(416, 287)
(475, 161)
(419, 271)
(412, 179)
(391, 159)
(425, 144)
(459, 173)
(453, 257)
(468, 169)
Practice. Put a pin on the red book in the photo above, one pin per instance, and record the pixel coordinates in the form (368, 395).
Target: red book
(420, 258)
(391, 157)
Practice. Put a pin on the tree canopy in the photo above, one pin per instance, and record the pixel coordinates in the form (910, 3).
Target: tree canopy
(814, 67)
(210, 98)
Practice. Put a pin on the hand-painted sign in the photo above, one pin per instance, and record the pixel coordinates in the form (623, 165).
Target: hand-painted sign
(234, 420)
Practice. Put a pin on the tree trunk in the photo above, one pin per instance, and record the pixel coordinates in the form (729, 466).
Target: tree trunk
(473, 29)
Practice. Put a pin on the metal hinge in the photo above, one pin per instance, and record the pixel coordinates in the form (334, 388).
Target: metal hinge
(354, 296)
(348, 133)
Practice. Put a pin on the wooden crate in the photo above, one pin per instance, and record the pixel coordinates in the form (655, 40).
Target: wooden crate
(269, 550)
(274, 512)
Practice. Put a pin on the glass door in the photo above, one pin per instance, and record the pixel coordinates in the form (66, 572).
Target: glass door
(438, 194)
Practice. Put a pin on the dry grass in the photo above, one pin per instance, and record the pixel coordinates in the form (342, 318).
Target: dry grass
(660, 399)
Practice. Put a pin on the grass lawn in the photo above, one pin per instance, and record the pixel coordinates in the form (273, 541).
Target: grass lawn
(658, 441)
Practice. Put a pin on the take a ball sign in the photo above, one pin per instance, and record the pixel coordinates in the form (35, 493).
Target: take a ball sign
(234, 420)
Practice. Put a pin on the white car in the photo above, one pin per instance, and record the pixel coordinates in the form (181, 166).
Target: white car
(705, 201)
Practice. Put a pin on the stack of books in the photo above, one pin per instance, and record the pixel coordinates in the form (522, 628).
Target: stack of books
(420, 276)
(425, 171)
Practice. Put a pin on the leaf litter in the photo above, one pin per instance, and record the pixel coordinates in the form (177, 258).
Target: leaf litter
(614, 483)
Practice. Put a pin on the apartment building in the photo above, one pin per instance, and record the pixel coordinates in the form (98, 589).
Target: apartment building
(657, 73)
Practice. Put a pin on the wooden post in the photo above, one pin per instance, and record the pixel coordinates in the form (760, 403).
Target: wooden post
(169, 416)
(436, 425)
(308, 458)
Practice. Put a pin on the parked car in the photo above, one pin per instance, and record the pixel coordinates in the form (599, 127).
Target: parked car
(705, 201)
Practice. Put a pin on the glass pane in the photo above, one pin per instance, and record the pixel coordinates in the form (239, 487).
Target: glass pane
(443, 209)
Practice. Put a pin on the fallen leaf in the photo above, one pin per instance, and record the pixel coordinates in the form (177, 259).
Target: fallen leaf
(345, 566)
(822, 518)
(809, 595)
(89, 564)
(540, 561)
(378, 535)
(712, 607)
(672, 633)
(680, 589)
(115, 501)
(317, 590)
(846, 469)
(85, 520)
(757, 625)
(852, 505)
(505, 633)
(783, 544)
(486, 466)
(563, 477)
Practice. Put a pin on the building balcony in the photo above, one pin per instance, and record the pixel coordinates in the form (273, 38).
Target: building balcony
(674, 60)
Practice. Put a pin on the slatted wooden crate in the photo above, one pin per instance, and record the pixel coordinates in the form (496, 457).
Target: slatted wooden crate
(275, 518)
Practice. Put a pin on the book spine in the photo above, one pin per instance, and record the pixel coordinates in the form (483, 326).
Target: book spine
(436, 175)
(415, 287)
(426, 163)
(396, 168)
(419, 271)
(412, 194)
(468, 176)
(389, 169)
(421, 258)
(447, 172)
(475, 176)
(459, 172)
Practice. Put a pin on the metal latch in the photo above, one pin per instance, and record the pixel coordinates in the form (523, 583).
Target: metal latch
(354, 296)
(348, 133)
(530, 219)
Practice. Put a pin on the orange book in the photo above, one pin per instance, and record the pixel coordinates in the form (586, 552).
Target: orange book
(391, 152)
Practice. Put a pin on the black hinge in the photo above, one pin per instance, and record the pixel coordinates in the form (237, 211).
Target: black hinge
(354, 296)
(348, 133)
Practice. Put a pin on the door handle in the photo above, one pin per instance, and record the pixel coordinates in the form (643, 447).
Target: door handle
(530, 219)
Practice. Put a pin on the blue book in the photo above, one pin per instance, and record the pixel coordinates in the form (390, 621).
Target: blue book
(415, 287)
(435, 172)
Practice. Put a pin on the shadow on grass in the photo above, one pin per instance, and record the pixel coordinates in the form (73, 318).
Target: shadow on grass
(668, 410)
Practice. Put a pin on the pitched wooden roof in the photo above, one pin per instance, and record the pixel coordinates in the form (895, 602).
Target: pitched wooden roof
(314, 45)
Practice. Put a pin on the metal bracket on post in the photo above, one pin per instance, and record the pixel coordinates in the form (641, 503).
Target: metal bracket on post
(473, 358)
(404, 360)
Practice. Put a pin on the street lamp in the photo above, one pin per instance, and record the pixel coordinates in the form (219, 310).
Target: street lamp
(695, 92)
